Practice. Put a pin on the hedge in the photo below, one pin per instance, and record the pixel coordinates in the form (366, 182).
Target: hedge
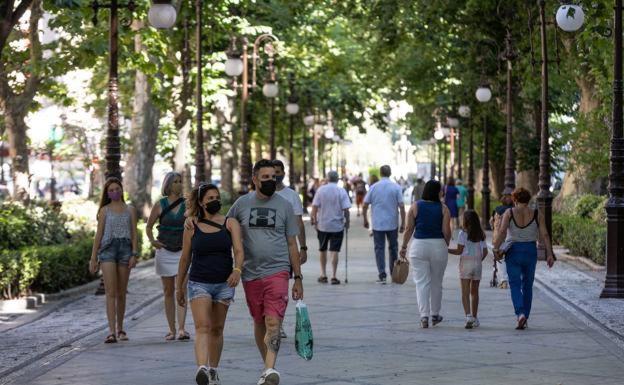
(581, 236)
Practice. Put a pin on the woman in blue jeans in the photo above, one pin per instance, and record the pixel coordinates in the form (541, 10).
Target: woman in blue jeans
(521, 227)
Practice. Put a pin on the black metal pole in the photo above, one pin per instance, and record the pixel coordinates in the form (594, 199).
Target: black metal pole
(273, 150)
(304, 172)
(485, 190)
(471, 176)
(445, 164)
(440, 164)
(245, 158)
(113, 144)
(510, 160)
(544, 196)
(614, 282)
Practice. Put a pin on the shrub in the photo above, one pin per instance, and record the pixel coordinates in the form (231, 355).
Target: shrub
(586, 204)
(582, 236)
(62, 266)
(35, 224)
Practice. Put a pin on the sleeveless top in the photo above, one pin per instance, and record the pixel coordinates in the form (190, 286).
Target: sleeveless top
(116, 226)
(171, 227)
(429, 220)
(212, 260)
(528, 233)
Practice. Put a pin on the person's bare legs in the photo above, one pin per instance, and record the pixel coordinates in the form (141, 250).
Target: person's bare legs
(170, 305)
(334, 257)
(272, 340)
(215, 342)
(181, 313)
(259, 334)
(123, 273)
(465, 291)
(474, 293)
(201, 308)
(323, 258)
(109, 272)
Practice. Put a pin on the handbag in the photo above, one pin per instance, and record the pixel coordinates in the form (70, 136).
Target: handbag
(400, 271)
(304, 341)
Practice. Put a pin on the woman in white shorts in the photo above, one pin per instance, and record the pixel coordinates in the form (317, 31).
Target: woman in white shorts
(170, 213)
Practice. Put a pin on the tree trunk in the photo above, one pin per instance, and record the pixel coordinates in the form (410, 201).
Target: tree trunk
(497, 175)
(143, 137)
(181, 154)
(15, 106)
(18, 150)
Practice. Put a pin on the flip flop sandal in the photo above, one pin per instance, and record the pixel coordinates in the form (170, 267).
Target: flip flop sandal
(110, 339)
(170, 337)
(335, 281)
(184, 336)
(122, 336)
(322, 279)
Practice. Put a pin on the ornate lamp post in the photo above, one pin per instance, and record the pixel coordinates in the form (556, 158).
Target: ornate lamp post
(161, 15)
(292, 108)
(570, 18)
(509, 54)
(238, 64)
(484, 94)
(464, 112)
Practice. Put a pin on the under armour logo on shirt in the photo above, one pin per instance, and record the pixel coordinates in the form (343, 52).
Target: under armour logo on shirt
(262, 217)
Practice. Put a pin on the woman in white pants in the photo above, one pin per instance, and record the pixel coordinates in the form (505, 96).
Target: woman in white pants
(429, 226)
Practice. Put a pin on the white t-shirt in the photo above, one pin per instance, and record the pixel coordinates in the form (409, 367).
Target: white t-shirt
(291, 196)
(331, 200)
(471, 249)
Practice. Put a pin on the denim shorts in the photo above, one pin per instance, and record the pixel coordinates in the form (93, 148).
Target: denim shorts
(218, 292)
(118, 250)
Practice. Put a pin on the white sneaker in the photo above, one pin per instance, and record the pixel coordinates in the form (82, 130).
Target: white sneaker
(201, 377)
(469, 322)
(269, 377)
(213, 377)
(476, 323)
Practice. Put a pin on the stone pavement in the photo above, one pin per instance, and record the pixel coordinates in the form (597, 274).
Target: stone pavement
(364, 333)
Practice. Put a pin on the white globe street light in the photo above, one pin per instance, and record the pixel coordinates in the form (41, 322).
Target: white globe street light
(438, 134)
(308, 120)
(162, 14)
(570, 17)
(329, 134)
(484, 94)
(270, 89)
(292, 108)
(452, 122)
(233, 66)
(464, 111)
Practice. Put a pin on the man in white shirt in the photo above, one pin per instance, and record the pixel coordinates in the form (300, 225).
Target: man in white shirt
(295, 200)
(330, 215)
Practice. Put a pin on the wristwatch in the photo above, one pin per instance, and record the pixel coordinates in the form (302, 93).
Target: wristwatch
(299, 277)
(304, 248)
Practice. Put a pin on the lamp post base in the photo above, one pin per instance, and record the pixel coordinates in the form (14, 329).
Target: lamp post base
(614, 282)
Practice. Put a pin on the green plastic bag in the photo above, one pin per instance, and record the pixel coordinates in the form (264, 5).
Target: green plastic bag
(304, 341)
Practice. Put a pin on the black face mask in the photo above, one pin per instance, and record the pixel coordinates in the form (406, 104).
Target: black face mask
(213, 207)
(279, 178)
(268, 187)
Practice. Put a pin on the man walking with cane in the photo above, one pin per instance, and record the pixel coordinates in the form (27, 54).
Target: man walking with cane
(386, 199)
(330, 215)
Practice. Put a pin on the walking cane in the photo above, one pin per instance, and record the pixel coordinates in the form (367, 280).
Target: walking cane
(346, 230)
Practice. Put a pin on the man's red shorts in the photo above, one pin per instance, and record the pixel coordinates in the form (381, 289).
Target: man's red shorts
(267, 296)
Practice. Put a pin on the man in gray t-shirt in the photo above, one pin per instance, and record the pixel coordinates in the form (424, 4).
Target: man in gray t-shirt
(266, 224)
(270, 243)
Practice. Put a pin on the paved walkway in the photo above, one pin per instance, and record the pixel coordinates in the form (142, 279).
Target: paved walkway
(364, 334)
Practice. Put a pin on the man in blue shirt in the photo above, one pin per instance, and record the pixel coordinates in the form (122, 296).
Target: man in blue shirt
(386, 200)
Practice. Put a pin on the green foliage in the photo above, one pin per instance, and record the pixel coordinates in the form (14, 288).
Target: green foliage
(582, 236)
(44, 269)
(61, 266)
(586, 204)
(35, 224)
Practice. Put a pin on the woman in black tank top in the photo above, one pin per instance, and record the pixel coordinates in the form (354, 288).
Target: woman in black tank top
(207, 248)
